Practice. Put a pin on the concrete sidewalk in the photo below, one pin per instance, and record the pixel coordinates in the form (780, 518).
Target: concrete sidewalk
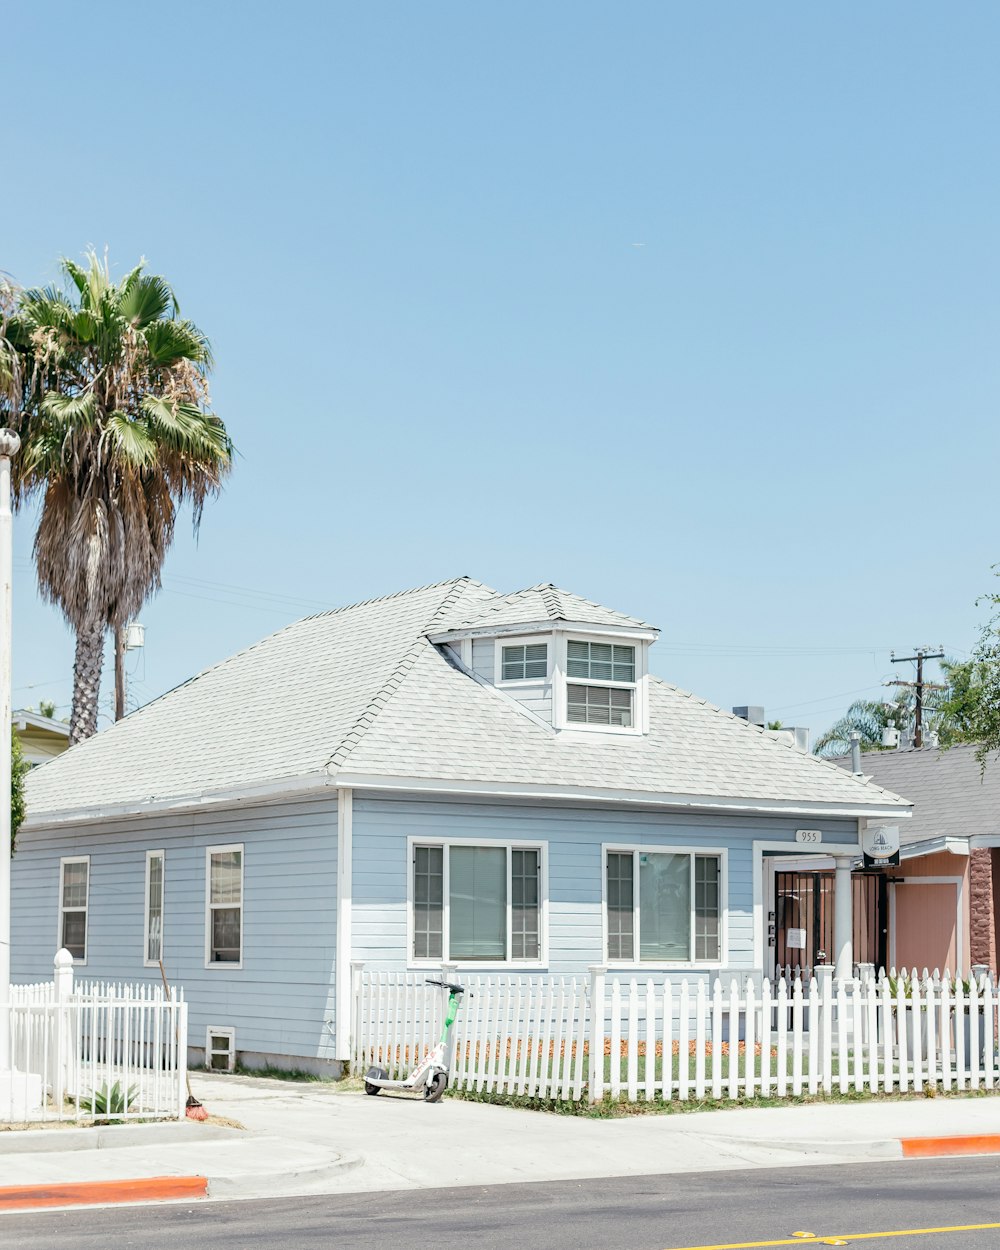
(311, 1138)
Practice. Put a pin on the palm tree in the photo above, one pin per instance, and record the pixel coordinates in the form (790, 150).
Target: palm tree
(869, 717)
(112, 406)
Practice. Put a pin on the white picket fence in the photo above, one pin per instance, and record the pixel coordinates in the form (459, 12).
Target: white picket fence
(743, 1038)
(70, 1042)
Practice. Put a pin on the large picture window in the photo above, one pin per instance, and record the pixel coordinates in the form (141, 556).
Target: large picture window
(477, 902)
(74, 896)
(663, 906)
(224, 906)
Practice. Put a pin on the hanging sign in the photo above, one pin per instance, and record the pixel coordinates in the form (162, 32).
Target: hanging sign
(880, 844)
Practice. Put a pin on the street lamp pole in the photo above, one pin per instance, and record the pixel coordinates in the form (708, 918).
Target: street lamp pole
(9, 445)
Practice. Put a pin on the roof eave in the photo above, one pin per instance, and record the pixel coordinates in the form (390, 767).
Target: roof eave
(645, 633)
(685, 802)
(285, 787)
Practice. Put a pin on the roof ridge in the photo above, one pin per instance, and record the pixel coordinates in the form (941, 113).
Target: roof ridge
(457, 587)
(397, 594)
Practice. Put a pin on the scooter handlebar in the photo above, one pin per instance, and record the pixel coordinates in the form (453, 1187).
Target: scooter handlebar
(447, 985)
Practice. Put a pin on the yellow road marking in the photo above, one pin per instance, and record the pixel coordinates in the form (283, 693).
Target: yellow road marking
(833, 1239)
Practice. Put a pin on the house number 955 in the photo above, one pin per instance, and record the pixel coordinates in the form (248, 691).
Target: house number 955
(809, 836)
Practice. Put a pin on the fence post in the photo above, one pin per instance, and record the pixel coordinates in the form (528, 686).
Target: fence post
(182, 1057)
(62, 978)
(357, 967)
(595, 1071)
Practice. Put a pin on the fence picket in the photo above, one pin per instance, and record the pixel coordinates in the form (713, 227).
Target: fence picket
(616, 1038)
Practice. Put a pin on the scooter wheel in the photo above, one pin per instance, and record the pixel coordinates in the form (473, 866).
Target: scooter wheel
(372, 1089)
(435, 1087)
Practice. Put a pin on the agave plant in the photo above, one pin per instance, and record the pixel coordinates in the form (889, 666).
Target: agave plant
(115, 1101)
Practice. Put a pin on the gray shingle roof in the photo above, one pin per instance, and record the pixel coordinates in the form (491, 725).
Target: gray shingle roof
(951, 796)
(443, 726)
(361, 690)
(548, 603)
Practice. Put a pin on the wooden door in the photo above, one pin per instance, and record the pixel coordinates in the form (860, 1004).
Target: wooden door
(925, 925)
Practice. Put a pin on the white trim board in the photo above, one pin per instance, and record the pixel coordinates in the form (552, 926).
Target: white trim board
(345, 892)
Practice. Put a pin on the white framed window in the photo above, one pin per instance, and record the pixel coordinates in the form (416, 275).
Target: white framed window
(74, 902)
(602, 685)
(524, 661)
(600, 661)
(477, 902)
(153, 928)
(664, 905)
(224, 906)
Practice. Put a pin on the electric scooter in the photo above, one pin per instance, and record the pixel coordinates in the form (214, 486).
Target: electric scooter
(432, 1071)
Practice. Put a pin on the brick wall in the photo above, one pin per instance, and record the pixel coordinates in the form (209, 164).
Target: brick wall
(982, 913)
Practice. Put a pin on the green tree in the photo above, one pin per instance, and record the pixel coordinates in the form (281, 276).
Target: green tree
(108, 387)
(947, 713)
(18, 768)
(869, 717)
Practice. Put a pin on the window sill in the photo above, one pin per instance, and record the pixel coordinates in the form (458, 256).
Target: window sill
(489, 965)
(689, 965)
(224, 965)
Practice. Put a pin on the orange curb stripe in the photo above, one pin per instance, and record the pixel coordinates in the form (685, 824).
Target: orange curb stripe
(933, 1147)
(86, 1193)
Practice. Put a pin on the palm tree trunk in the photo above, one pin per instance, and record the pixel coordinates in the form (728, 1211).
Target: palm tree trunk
(86, 682)
(118, 636)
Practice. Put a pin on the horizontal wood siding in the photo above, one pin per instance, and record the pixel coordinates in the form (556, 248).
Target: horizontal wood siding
(483, 658)
(279, 1000)
(574, 836)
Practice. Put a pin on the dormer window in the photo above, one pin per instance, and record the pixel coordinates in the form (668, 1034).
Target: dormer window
(600, 661)
(599, 705)
(524, 662)
(608, 697)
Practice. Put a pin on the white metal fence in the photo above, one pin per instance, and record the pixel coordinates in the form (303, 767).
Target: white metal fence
(738, 1038)
(95, 1051)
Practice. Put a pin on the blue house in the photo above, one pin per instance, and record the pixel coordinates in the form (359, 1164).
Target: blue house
(448, 774)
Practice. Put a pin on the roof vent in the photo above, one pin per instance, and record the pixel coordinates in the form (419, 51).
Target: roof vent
(752, 713)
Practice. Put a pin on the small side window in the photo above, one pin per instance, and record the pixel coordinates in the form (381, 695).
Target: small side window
(74, 894)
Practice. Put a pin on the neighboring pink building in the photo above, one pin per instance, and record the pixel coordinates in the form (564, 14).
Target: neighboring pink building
(939, 907)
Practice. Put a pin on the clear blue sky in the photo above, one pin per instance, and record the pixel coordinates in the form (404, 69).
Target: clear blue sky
(412, 232)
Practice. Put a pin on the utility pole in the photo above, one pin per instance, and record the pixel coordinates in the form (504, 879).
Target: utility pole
(918, 686)
(9, 445)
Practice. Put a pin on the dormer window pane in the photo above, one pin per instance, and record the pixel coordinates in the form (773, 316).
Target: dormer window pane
(600, 661)
(521, 663)
(599, 705)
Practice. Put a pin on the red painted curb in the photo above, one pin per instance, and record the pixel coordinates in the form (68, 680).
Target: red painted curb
(933, 1147)
(86, 1193)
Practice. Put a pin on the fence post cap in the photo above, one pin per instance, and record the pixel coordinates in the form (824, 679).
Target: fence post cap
(63, 958)
(597, 969)
(357, 964)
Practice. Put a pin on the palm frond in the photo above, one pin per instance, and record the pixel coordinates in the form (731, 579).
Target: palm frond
(69, 413)
(148, 299)
(170, 341)
(130, 440)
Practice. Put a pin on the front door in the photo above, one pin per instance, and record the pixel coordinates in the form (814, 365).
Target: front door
(803, 930)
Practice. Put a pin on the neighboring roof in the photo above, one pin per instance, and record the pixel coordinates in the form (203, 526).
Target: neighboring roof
(547, 603)
(362, 691)
(951, 795)
(23, 719)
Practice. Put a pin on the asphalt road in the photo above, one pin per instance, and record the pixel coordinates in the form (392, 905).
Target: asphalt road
(637, 1213)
